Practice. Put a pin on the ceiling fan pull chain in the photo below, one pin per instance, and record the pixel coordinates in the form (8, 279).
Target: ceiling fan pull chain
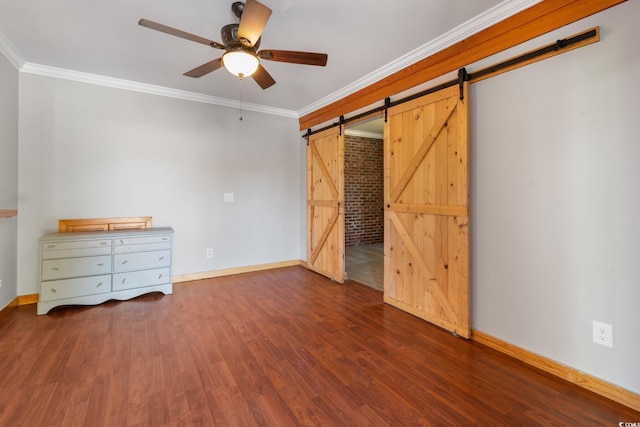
(241, 95)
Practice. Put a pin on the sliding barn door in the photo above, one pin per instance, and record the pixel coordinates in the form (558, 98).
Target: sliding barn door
(325, 204)
(426, 174)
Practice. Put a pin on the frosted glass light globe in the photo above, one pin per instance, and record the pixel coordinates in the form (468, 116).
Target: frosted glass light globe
(240, 63)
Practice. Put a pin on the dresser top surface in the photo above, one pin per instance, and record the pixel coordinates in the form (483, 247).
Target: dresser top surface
(88, 235)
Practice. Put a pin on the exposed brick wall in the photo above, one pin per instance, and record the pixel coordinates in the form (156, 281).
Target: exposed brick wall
(364, 201)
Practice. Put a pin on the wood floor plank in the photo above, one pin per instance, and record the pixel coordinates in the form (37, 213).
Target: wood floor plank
(278, 347)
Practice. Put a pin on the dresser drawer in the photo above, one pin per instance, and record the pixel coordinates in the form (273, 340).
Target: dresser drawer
(75, 267)
(144, 247)
(69, 288)
(141, 240)
(141, 261)
(76, 253)
(138, 279)
(54, 250)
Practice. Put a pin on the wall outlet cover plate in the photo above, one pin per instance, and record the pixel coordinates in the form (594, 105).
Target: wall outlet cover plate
(602, 334)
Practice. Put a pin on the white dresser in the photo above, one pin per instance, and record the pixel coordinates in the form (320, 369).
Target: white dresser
(88, 268)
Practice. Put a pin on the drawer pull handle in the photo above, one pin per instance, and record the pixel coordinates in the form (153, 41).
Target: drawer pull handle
(99, 284)
(161, 258)
(101, 264)
(160, 276)
(103, 243)
(165, 238)
(53, 291)
(124, 280)
(51, 246)
(121, 242)
(55, 269)
(125, 261)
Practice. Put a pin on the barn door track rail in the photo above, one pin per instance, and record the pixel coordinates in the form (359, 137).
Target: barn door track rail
(560, 46)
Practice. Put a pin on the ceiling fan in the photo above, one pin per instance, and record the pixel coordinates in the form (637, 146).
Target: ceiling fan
(241, 42)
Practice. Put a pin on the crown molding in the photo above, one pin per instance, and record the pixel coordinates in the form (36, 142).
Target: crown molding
(498, 13)
(10, 52)
(99, 80)
(492, 16)
(363, 134)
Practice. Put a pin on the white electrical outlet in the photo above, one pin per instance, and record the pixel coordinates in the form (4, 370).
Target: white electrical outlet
(603, 334)
(228, 197)
(209, 252)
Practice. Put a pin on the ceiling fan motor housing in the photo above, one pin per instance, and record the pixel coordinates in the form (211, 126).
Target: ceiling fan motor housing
(229, 35)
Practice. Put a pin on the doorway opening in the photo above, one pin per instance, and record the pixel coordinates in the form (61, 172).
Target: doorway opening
(364, 203)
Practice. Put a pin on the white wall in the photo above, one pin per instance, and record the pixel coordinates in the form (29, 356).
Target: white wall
(555, 200)
(91, 151)
(8, 179)
(303, 200)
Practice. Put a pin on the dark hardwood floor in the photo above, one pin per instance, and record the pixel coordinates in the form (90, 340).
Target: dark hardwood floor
(283, 347)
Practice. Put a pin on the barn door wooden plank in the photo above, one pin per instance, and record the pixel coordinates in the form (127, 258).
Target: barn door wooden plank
(330, 179)
(326, 232)
(431, 276)
(426, 209)
(417, 159)
(325, 204)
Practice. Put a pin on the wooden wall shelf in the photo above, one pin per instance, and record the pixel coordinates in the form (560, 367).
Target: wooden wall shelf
(8, 213)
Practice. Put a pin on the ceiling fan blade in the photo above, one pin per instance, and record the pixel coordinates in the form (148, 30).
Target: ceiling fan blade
(205, 68)
(294, 57)
(179, 33)
(263, 78)
(254, 18)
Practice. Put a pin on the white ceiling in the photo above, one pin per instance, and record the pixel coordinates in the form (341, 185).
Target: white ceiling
(365, 40)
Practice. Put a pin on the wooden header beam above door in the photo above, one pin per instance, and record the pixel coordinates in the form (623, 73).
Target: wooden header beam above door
(539, 19)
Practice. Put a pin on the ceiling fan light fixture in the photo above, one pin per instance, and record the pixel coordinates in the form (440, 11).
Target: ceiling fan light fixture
(241, 41)
(240, 63)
